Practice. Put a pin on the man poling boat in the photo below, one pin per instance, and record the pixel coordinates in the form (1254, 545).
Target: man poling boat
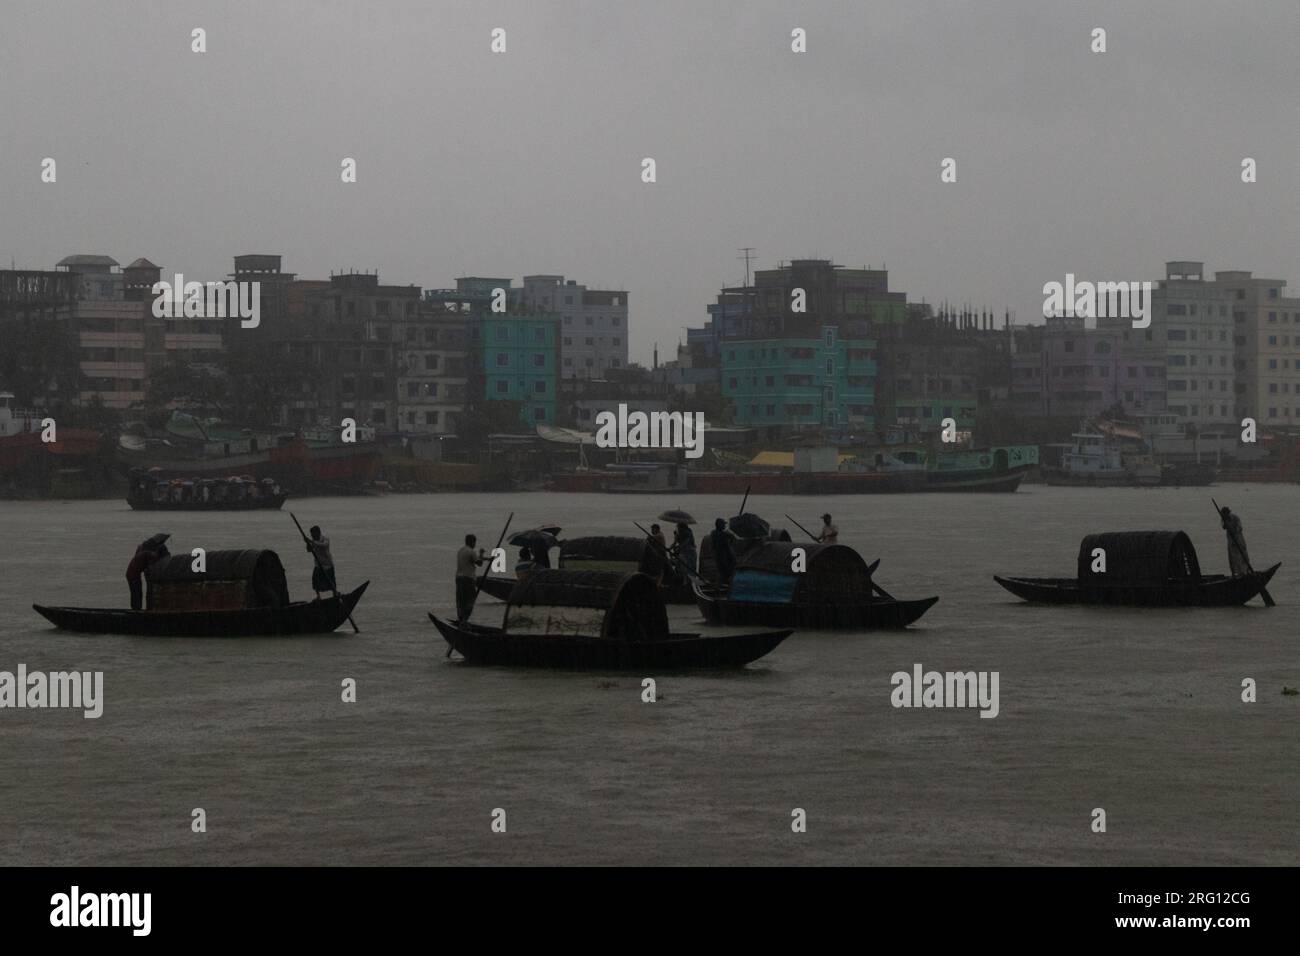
(322, 577)
(1238, 558)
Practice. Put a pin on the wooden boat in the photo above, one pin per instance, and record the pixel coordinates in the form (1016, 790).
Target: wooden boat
(145, 502)
(1143, 569)
(626, 555)
(498, 588)
(597, 620)
(834, 591)
(240, 594)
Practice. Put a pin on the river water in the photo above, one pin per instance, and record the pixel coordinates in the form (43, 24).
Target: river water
(1138, 713)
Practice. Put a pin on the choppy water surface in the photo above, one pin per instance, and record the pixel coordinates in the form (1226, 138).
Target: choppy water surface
(1135, 712)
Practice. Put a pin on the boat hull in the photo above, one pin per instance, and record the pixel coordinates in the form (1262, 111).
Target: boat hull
(1210, 591)
(875, 615)
(144, 503)
(300, 617)
(492, 646)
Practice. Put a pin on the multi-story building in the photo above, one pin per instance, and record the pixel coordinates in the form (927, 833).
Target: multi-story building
(110, 333)
(1191, 335)
(346, 332)
(801, 353)
(519, 362)
(1266, 336)
(594, 334)
(433, 378)
(940, 366)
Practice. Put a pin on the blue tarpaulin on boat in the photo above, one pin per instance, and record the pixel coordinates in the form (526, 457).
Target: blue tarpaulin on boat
(763, 587)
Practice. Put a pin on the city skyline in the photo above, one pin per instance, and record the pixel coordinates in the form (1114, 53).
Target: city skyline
(787, 153)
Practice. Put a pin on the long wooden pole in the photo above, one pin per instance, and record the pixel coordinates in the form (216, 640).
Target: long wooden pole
(355, 629)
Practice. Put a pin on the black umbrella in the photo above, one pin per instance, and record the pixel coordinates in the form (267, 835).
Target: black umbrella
(533, 540)
(749, 525)
(676, 516)
(149, 544)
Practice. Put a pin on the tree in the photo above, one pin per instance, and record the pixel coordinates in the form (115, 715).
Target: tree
(38, 360)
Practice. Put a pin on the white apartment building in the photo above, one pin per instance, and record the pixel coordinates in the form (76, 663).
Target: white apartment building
(593, 323)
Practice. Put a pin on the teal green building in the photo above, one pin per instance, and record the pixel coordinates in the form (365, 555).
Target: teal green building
(520, 362)
(826, 381)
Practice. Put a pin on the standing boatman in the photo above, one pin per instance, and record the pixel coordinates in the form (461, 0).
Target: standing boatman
(724, 559)
(1238, 559)
(830, 534)
(322, 576)
(467, 562)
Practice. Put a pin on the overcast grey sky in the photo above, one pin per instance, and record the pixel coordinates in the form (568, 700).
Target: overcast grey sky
(1104, 165)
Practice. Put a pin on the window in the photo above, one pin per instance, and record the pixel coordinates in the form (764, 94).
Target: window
(503, 334)
(1272, 340)
(830, 366)
(539, 360)
(1177, 335)
(503, 387)
(432, 390)
(617, 340)
(770, 381)
(1069, 345)
(539, 388)
(503, 358)
(430, 362)
(431, 418)
(614, 320)
(568, 300)
(568, 320)
(539, 414)
(590, 363)
(590, 340)
(412, 389)
(568, 363)
(539, 334)
(568, 341)
(591, 320)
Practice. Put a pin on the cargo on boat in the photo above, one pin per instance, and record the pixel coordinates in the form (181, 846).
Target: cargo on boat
(239, 594)
(834, 590)
(1141, 569)
(596, 620)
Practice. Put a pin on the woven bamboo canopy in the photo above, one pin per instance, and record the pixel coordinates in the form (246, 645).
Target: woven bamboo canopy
(229, 580)
(1139, 557)
(591, 603)
(623, 554)
(833, 573)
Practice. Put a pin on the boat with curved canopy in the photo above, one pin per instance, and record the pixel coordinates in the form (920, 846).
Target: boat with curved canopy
(596, 620)
(1140, 569)
(238, 594)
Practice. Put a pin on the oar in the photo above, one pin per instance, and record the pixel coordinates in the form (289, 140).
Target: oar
(355, 629)
(1263, 592)
(874, 586)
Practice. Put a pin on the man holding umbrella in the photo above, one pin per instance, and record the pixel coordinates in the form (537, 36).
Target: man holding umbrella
(683, 539)
(147, 554)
